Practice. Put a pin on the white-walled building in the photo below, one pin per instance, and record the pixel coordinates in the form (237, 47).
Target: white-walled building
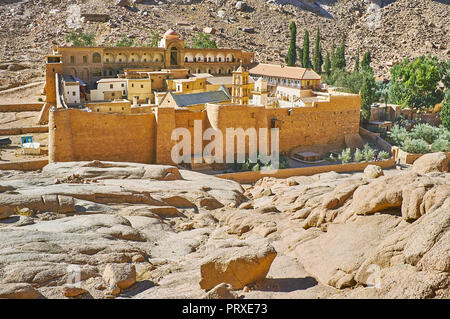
(71, 90)
(110, 90)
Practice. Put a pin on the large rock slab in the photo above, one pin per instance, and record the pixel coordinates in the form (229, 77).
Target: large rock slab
(433, 162)
(237, 263)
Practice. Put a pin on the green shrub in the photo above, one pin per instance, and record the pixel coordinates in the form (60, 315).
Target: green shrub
(81, 39)
(425, 132)
(331, 158)
(384, 155)
(398, 134)
(441, 145)
(40, 99)
(345, 156)
(444, 133)
(416, 146)
(358, 156)
(368, 153)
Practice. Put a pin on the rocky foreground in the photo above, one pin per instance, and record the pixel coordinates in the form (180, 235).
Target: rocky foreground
(146, 231)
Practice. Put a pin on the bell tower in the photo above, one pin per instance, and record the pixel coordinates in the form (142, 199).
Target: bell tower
(241, 86)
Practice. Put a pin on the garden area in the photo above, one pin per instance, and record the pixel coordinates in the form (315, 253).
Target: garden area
(366, 154)
(422, 138)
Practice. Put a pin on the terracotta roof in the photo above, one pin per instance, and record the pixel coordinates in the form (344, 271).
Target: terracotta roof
(289, 72)
(170, 33)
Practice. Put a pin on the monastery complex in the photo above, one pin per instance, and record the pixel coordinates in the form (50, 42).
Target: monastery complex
(122, 103)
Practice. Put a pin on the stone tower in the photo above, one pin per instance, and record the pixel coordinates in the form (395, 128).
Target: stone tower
(241, 86)
(260, 92)
(52, 67)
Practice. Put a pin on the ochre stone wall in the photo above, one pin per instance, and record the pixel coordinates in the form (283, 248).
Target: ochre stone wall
(76, 135)
(146, 138)
(251, 177)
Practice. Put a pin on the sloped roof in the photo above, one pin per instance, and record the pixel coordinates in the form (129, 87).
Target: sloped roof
(221, 95)
(289, 72)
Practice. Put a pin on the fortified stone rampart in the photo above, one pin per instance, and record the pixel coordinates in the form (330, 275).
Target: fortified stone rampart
(76, 135)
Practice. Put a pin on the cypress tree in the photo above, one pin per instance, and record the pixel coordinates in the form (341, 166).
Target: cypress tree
(340, 56)
(318, 61)
(327, 65)
(368, 95)
(333, 57)
(291, 57)
(357, 61)
(300, 55)
(306, 60)
(365, 63)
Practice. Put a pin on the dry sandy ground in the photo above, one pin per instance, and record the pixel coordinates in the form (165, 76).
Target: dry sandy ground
(18, 120)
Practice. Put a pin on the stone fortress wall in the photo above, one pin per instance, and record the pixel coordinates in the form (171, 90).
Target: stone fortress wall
(77, 135)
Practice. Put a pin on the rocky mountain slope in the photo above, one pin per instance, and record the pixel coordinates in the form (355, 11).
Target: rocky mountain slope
(146, 231)
(391, 29)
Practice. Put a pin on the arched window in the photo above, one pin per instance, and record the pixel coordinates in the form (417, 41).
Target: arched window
(96, 58)
(174, 56)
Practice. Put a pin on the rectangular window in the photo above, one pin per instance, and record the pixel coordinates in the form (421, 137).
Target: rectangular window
(123, 85)
(72, 60)
(110, 86)
(84, 59)
(73, 93)
(142, 86)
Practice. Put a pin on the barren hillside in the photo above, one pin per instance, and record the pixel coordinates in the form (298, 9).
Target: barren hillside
(391, 29)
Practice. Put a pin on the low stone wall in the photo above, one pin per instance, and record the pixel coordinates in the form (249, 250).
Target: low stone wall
(24, 130)
(403, 157)
(21, 107)
(251, 177)
(385, 146)
(24, 165)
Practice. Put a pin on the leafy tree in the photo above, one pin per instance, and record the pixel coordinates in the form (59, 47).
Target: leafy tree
(154, 39)
(125, 41)
(367, 59)
(382, 91)
(203, 41)
(81, 39)
(445, 112)
(317, 58)
(357, 67)
(367, 93)
(415, 82)
(306, 59)
(291, 56)
(327, 65)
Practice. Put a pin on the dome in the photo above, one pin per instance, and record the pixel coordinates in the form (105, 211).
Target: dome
(171, 34)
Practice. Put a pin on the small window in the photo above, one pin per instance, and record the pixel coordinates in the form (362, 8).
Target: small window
(132, 85)
(187, 86)
(72, 59)
(110, 86)
(73, 93)
(123, 109)
(123, 85)
(113, 94)
(110, 109)
(84, 59)
(98, 110)
(142, 86)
